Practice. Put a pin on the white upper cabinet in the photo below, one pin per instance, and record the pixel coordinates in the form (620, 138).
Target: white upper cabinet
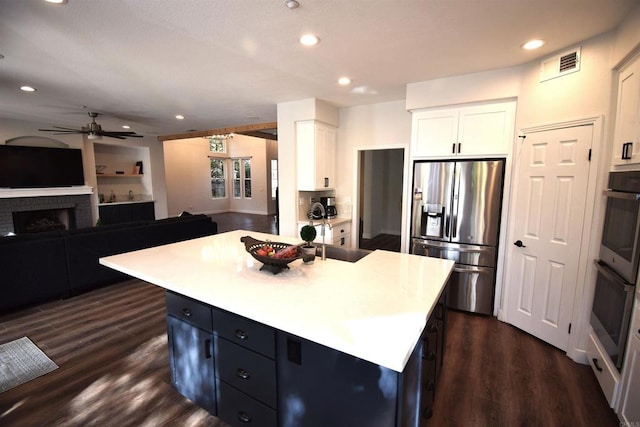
(626, 142)
(481, 130)
(316, 151)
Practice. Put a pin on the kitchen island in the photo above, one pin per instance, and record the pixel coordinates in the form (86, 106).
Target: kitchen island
(327, 343)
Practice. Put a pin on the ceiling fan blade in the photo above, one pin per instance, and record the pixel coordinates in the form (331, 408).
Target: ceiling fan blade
(121, 135)
(60, 127)
(62, 130)
(111, 136)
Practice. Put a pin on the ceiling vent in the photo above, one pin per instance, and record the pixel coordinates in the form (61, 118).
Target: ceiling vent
(559, 65)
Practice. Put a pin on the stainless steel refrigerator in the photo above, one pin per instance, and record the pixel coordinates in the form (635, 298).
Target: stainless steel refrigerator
(456, 215)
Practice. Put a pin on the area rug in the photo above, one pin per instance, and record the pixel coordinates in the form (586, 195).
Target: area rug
(21, 361)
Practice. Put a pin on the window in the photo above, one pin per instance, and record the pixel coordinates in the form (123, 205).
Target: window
(218, 181)
(241, 178)
(247, 178)
(274, 178)
(217, 144)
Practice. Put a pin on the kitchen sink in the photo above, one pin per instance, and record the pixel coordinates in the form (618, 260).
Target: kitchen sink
(341, 253)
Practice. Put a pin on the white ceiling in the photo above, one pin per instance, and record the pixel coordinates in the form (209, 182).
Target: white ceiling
(229, 62)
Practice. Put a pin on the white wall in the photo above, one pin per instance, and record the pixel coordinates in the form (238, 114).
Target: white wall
(188, 176)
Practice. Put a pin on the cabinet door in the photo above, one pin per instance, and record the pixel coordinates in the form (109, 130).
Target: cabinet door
(627, 125)
(333, 388)
(435, 133)
(629, 405)
(325, 157)
(191, 363)
(486, 129)
(316, 145)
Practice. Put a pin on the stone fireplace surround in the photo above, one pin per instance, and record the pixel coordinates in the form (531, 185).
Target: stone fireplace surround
(20, 200)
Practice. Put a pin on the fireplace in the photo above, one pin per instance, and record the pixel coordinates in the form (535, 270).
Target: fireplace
(44, 210)
(41, 220)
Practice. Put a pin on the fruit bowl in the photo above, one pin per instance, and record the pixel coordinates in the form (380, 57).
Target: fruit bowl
(274, 265)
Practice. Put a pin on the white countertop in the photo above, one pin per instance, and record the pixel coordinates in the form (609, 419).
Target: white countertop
(374, 309)
(332, 222)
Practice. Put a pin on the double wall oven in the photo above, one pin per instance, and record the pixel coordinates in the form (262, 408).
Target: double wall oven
(618, 264)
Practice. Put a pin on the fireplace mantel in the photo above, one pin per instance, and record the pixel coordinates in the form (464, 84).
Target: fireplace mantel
(12, 193)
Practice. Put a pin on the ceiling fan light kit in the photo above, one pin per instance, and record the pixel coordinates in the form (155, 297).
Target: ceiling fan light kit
(93, 131)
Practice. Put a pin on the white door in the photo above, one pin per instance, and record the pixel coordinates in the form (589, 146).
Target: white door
(552, 172)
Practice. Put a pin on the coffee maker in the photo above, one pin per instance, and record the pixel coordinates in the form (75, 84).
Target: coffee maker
(329, 204)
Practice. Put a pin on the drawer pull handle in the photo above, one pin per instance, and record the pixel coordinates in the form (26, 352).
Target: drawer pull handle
(186, 312)
(241, 373)
(241, 335)
(244, 417)
(207, 349)
(595, 363)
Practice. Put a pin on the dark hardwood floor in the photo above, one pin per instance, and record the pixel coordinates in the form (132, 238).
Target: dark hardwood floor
(229, 221)
(496, 375)
(388, 242)
(111, 348)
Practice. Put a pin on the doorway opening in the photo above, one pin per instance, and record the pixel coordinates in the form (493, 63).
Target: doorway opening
(380, 199)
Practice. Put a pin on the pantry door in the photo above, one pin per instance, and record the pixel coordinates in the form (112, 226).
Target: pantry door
(542, 262)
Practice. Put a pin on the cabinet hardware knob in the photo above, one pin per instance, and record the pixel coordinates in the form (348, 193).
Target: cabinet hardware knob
(241, 373)
(432, 328)
(186, 312)
(241, 335)
(595, 363)
(244, 417)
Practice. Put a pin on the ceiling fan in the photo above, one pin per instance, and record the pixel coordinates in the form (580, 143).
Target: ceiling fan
(93, 130)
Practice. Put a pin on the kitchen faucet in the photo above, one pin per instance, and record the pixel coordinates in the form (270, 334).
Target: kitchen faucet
(318, 205)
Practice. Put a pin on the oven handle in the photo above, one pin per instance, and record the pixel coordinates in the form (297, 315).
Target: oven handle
(612, 275)
(621, 195)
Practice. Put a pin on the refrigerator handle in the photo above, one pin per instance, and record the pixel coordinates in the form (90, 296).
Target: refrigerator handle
(454, 225)
(446, 225)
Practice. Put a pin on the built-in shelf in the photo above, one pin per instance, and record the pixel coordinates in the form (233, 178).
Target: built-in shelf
(119, 175)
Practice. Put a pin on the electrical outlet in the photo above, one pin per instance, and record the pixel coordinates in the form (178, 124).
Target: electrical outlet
(311, 200)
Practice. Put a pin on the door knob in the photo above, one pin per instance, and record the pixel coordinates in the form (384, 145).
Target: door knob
(519, 244)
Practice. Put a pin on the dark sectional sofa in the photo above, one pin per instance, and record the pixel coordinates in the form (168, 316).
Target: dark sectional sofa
(40, 267)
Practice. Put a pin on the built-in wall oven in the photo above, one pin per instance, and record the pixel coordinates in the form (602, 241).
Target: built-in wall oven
(618, 264)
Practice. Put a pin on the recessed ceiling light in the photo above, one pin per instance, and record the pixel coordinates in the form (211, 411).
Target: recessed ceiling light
(292, 4)
(309, 40)
(343, 81)
(27, 89)
(56, 1)
(179, 117)
(533, 44)
(126, 127)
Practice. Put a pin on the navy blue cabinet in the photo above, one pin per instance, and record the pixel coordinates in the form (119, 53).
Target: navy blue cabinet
(191, 360)
(126, 212)
(247, 373)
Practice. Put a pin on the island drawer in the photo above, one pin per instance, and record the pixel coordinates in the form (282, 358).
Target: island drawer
(246, 370)
(245, 332)
(189, 310)
(238, 409)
